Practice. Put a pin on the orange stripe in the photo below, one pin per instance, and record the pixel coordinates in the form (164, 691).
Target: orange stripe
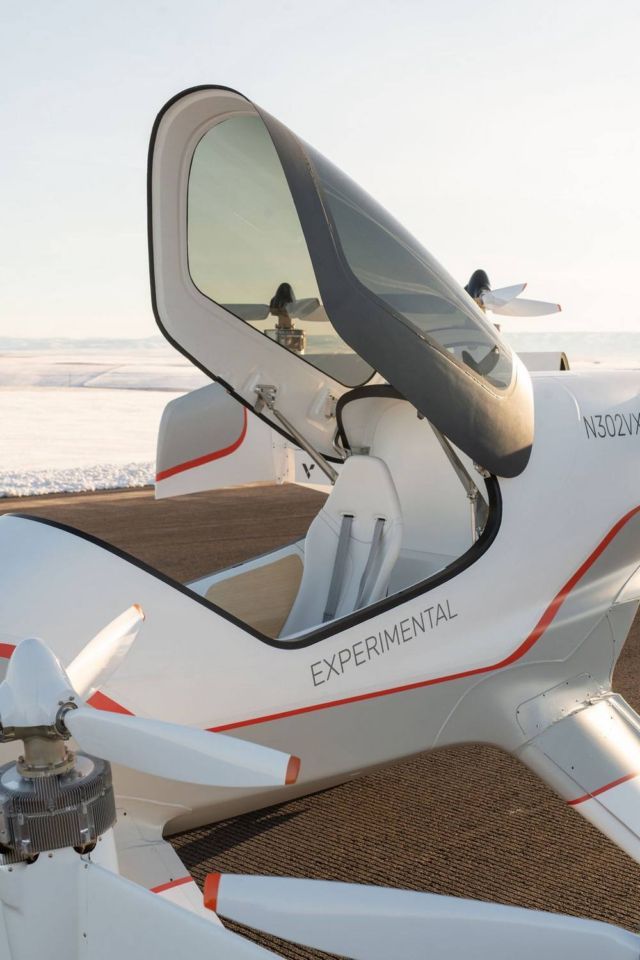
(607, 786)
(541, 626)
(208, 457)
(293, 770)
(211, 887)
(171, 883)
(101, 701)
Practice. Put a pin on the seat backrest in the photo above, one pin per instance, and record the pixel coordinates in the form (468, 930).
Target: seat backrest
(435, 508)
(349, 553)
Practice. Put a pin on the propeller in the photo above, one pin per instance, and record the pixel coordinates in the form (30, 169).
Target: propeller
(499, 298)
(375, 923)
(38, 693)
(251, 312)
(102, 656)
(304, 309)
(178, 752)
(526, 308)
(506, 301)
(55, 800)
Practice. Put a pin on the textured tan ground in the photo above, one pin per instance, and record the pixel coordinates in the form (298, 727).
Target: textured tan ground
(469, 821)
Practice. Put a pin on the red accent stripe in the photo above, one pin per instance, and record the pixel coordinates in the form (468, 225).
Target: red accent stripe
(293, 770)
(607, 786)
(211, 887)
(208, 457)
(171, 884)
(6, 649)
(101, 701)
(541, 626)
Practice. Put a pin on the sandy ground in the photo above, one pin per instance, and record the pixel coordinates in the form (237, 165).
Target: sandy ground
(469, 821)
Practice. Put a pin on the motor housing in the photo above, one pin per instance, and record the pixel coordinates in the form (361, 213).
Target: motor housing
(70, 809)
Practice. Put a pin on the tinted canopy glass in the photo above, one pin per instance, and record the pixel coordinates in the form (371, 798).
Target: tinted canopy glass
(247, 251)
(391, 264)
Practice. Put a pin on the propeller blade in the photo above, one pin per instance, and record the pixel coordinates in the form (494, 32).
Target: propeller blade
(502, 295)
(34, 686)
(179, 753)
(251, 312)
(375, 923)
(122, 919)
(526, 308)
(304, 309)
(103, 655)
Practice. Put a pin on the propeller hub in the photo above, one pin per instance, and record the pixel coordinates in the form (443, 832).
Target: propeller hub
(478, 283)
(60, 726)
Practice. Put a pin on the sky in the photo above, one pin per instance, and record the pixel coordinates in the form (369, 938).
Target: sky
(504, 135)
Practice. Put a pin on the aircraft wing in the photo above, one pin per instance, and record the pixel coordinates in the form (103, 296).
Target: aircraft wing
(120, 919)
(145, 858)
(592, 759)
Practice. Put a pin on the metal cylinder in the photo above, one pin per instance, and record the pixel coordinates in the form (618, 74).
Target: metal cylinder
(70, 809)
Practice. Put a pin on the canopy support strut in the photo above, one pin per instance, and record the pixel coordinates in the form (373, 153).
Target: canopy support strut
(479, 509)
(267, 398)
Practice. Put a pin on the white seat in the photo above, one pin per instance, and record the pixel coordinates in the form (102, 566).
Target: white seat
(369, 546)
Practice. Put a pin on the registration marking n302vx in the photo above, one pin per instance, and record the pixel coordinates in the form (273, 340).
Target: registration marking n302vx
(601, 425)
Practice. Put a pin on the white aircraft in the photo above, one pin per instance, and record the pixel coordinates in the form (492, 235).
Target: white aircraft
(473, 574)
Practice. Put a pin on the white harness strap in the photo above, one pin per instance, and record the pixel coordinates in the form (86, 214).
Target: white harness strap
(351, 548)
(337, 575)
(376, 543)
(342, 550)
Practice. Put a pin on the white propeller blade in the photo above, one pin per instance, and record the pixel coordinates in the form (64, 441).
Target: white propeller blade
(102, 656)
(34, 686)
(502, 295)
(526, 308)
(305, 309)
(179, 753)
(375, 923)
(251, 312)
(121, 919)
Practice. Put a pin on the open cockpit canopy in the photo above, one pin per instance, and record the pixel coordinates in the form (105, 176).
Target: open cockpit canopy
(272, 268)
